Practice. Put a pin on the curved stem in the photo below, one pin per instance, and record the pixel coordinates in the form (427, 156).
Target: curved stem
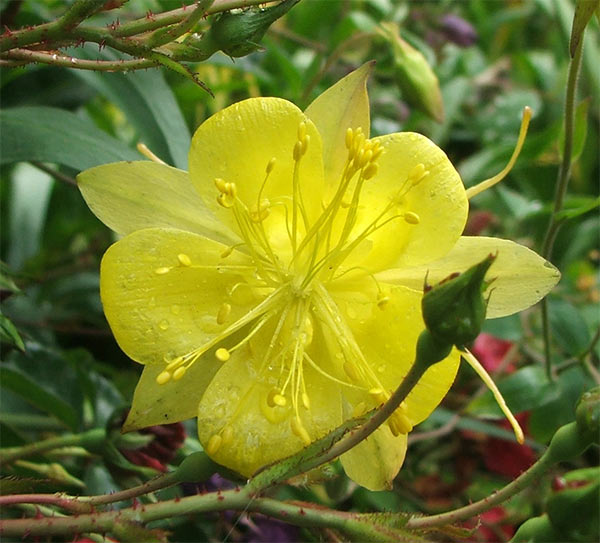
(469, 511)
(561, 190)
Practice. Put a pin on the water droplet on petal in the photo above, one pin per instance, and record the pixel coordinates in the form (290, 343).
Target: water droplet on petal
(163, 325)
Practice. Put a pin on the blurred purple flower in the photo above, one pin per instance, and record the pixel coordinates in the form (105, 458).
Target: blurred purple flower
(458, 31)
(264, 529)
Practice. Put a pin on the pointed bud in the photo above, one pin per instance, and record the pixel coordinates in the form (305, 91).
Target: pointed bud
(454, 310)
(419, 85)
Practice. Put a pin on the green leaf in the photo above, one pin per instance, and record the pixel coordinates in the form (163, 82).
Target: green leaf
(24, 485)
(525, 389)
(38, 396)
(583, 13)
(45, 134)
(569, 328)
(579, 131)
(28, 205)
(583, 205)
(6, 282)
(9, 334)
(149, 105)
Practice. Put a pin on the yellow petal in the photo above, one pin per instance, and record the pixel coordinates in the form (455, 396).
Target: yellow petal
(521, 277)
(387, 338)
(237, 145)
(173, 401)
(342, 106)
(435, 208)
(235, 405)
(375, 462)
(160, 308)
(129, 196)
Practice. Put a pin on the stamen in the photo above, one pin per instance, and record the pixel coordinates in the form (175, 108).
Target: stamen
(411, 218)
(223, 313)
(226, 435)
(351, 371)
(349, 138)
(484, 185)
(485, 377)
(143, 149)
(162, 270)
(371, 170)
(299, 430)
(184, 260)
(214, 443)
(305, 400)
(416, 175)
(382, 301)
(179, 373)
(164, 377)
(279, 400)
(222, 354)
(270, 165)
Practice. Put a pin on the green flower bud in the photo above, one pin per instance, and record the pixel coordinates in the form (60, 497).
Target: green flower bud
(536, 530)
(415, 78)
(587, 414)
(238, 33)
(196, 468)
(454, 310)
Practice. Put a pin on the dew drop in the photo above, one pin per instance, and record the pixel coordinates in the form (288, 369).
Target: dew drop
(163, 325)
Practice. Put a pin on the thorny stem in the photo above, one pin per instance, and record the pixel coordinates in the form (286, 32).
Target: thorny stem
(561, 190)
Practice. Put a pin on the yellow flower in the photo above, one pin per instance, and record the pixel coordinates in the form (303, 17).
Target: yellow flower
(274, 291)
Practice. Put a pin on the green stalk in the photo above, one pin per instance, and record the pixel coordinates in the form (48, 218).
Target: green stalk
(91, 437)
(561, 190)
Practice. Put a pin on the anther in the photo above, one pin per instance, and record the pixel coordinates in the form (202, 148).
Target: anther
(370, 171)
(220, 184)
(223, 313)
(163, 377)
(222, 354)
(175, 363)
(226, 435)
(377, 152)
(417, 174)
(184, 259)
(271, 165)
(378, 394)
(225, 200)
(299, 430)
(301, 130)
(382, 301)
(366, 157)
(214, 443)
(227, 252)
(279, 400)
(162, 271)
(305, 400)
(349, 138)
(297, 150)
(179, 373)
(411, 218)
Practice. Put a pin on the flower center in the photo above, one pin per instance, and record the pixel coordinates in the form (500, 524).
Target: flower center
(279, 331)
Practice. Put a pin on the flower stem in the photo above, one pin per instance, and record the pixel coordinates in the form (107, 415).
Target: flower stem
(561, 190)
(11, 454)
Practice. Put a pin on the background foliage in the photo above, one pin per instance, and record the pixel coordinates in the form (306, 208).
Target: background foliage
(62, 370)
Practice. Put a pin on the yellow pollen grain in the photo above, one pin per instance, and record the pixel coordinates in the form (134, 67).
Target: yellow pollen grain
(214, 443)
(223, 313)
(222, 354)
(162, 271)
(370, 171)
(184, 259)
(227, 435)
(299, 430)
(271, 165)
(279, 400)
(179, 373)
(305, 400)
(412, 218)
(163, 377)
